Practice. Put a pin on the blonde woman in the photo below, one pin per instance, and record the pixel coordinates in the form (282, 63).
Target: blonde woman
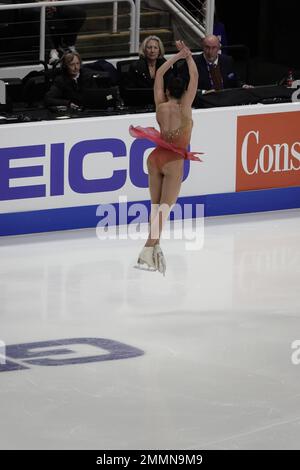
(142, 72)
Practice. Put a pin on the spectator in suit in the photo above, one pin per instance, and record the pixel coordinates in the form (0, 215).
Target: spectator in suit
(62, 26)
(142, 72)
(216, 71)
(68, 88)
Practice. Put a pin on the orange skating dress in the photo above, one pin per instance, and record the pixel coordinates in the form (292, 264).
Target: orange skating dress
(171, 145)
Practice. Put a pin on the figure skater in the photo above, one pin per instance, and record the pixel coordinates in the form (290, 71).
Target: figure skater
(165, 163)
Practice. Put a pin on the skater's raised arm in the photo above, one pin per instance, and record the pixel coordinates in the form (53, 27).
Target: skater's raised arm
(159, 92)
(189, 95)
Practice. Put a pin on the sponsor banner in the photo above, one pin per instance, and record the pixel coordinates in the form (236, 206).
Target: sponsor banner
(92, 161)
(82, 163)
(268, 151)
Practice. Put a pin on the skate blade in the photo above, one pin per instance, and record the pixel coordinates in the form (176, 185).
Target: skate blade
(144, 268)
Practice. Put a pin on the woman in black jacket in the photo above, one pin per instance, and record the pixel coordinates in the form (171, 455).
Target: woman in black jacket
(142, 72)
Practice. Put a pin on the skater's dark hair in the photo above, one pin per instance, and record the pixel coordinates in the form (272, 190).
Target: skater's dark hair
(176, 87)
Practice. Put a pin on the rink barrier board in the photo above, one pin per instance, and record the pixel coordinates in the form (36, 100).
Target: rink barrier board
(70, 218)
(82, 150)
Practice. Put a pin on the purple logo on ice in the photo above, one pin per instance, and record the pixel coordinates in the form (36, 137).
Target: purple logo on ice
(84, 350)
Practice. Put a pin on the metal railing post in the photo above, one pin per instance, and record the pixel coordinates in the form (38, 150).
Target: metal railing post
(209, 16)
(42, 32)
(115, 18)
(137, 24)
(132, 47)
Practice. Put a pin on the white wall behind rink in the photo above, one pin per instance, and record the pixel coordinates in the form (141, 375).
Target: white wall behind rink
(214, 133)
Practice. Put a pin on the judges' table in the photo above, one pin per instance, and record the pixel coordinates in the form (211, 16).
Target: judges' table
(55, 174)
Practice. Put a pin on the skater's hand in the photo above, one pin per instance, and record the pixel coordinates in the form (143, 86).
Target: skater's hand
(184, 51)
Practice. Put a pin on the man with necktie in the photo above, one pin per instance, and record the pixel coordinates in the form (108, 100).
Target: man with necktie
(216, 71)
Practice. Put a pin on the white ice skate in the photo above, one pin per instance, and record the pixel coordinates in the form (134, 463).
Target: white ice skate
(146, 259)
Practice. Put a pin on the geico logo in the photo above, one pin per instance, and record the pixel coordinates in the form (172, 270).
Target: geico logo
(55, 165)
(54, 353)
(269, 158)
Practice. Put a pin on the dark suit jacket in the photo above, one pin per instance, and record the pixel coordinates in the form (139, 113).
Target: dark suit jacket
(65, 90)
(139, 76)
(229, 76)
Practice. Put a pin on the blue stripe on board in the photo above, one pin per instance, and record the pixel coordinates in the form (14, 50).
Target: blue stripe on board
(67, 218)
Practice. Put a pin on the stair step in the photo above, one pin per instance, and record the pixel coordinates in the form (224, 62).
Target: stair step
(96, 38)
(105, 23)
(109, 45)
(121, 36)
(106, 9)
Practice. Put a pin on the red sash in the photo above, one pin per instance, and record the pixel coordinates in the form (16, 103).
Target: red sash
(152, 134)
